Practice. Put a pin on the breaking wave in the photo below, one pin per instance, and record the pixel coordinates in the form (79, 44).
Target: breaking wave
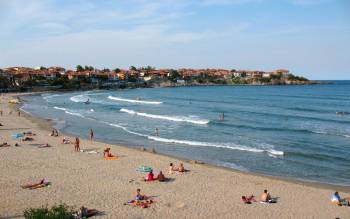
(133, 101)
(69, 112)
(79, 98)
(164, 117)
(231, 146)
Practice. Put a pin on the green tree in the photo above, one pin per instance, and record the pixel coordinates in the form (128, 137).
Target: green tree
(117, 70)
(133, 68)
(79, 68)
(42, 68)
(173, 75)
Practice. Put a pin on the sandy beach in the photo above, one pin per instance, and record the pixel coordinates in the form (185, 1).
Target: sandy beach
(87, 179)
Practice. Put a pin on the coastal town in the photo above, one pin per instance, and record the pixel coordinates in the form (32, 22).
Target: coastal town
(24, 78)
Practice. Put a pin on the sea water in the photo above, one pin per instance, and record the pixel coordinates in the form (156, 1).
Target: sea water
(288, 131)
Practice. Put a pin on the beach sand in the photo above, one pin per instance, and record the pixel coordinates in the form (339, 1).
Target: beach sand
(89, 180)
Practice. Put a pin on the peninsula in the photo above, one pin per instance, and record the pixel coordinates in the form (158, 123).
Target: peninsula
(88, 77)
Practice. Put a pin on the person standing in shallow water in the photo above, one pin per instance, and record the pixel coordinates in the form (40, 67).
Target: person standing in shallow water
(91, 134)
(157, 132)
(77, 144)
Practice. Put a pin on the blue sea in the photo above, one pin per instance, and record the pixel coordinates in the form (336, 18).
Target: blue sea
(288, 131)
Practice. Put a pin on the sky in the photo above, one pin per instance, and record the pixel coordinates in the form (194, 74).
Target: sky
(309, 37)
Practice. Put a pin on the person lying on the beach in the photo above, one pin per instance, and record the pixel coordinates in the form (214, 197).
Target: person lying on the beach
(141, 204)
(4, 145)
(44, 146)
(65, 141)
(248, 199)
(1, 124)
(42, 183)
(27, 139)
(338, 201)
(266, 197)
(28, 133)
(85, 212)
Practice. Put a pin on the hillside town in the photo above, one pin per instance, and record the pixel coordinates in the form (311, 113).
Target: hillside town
(24, 78)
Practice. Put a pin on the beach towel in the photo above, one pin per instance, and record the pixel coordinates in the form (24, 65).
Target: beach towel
(110, 158)
(17, 135)
(141, 204)
(144, 169)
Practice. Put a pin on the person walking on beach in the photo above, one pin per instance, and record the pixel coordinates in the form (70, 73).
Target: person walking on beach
(1, 112)
(19, 113)
(91, 134)
(77, 144)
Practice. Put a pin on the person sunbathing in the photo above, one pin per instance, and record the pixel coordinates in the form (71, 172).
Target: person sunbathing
(27, 139)
(249, 199)
(150, 176)
(139, 196)
(44, 145)
(42, 183)
(172, 168)
(266, 197)
(28, 133)
(4, 145)
(181, 168)
(65, 140)
(85, 212)
(339, 201)
(161, 177)
(107, 153)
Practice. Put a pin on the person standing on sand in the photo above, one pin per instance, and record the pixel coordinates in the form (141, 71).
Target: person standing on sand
(77, 144)
(19, 113)
(91, 134)
(1, 112)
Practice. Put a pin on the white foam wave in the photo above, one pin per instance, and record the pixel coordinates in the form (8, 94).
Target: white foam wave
(79, 98)
(202, 144)
(59, 108)
(346, 136)
(69, 112)
(170, 118)
(133, 101)
(319, 132)
(47, 96)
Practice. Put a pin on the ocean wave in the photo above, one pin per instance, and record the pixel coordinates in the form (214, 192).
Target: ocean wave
(170, 118)
(79, 98)
(133, 101)
(202, 144)
(69, 112)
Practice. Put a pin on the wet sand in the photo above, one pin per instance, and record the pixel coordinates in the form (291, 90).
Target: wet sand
(87, 179)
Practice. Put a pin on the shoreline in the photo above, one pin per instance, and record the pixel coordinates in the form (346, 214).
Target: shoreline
(49, 124)
(206, 191)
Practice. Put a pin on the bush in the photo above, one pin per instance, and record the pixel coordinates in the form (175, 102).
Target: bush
(61, 211)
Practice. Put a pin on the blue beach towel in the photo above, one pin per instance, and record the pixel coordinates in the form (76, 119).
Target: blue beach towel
(17, 135)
